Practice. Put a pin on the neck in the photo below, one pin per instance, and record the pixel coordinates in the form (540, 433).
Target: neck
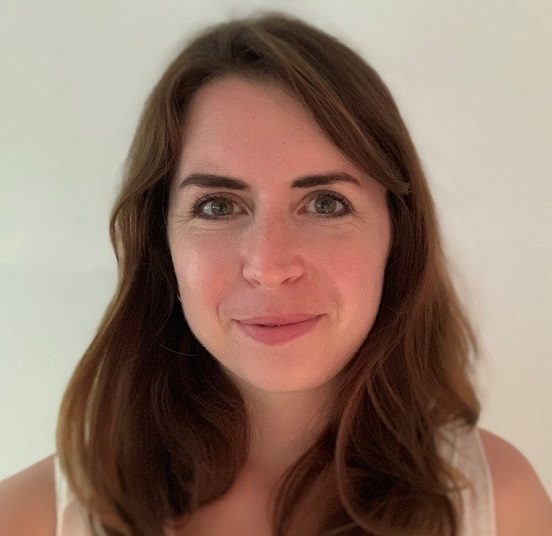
(283, 427)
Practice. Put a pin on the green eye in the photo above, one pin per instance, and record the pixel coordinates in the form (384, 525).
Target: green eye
(329, 205)
(214, 207)
(326, 204)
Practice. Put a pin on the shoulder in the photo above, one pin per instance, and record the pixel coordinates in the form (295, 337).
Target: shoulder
(27, 501)
(522, 505)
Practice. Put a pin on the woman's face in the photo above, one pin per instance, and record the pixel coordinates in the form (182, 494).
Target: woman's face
(279, 243)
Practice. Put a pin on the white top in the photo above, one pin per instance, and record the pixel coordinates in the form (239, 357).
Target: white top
(465, 452)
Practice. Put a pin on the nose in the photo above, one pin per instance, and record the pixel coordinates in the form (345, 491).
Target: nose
(272, 254)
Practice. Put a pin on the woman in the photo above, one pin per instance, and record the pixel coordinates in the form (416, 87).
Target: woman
(285, 353)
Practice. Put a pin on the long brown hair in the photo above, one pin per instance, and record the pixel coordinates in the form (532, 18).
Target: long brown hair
(150, 429)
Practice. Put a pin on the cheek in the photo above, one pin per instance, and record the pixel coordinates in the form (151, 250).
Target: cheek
(201, 267)
(359, 269)
(360, 278)
(359, 259)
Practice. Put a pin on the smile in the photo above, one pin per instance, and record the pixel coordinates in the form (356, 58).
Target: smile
(274, 331)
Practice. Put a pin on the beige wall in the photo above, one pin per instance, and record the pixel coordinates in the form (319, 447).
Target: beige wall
(473, 80)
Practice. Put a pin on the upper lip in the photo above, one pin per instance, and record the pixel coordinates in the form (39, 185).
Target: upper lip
(276, 320)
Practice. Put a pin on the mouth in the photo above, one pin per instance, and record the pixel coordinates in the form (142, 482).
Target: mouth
(272, 330)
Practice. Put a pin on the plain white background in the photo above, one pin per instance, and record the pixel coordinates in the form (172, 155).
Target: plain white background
(473, 81)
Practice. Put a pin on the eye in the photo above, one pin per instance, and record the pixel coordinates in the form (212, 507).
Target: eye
(329, 204)
(215, 207)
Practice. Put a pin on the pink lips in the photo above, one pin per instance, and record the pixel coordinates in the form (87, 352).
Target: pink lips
(274, 330)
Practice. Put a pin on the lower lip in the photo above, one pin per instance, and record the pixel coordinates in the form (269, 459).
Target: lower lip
(275, 335)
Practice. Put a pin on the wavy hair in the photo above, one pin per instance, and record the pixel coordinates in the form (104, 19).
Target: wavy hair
(150, 428)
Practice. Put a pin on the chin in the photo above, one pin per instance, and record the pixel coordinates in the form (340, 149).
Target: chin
(281, 383)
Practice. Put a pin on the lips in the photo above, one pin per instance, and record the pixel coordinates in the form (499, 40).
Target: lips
(277, 329)
(276, 320)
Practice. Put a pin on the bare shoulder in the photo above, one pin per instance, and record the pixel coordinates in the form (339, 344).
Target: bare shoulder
(522, 505)
(27, 501)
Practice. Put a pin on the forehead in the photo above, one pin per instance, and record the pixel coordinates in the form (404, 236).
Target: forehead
(254, 129)
(219, 107)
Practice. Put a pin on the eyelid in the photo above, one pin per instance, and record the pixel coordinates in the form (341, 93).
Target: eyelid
(348, 207)
(196, 206)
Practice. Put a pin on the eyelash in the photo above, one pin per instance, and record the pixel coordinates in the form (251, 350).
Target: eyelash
(347, 207)
(195, 211)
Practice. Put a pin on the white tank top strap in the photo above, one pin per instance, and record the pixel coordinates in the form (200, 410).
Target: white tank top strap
(71, 519)
(475, 503)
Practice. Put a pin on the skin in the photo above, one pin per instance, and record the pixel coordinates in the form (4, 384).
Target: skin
(279, 250)
(275, 253)
(27, 499)
(272, 248)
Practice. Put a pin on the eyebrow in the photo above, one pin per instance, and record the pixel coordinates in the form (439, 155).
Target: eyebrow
(209, 180)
